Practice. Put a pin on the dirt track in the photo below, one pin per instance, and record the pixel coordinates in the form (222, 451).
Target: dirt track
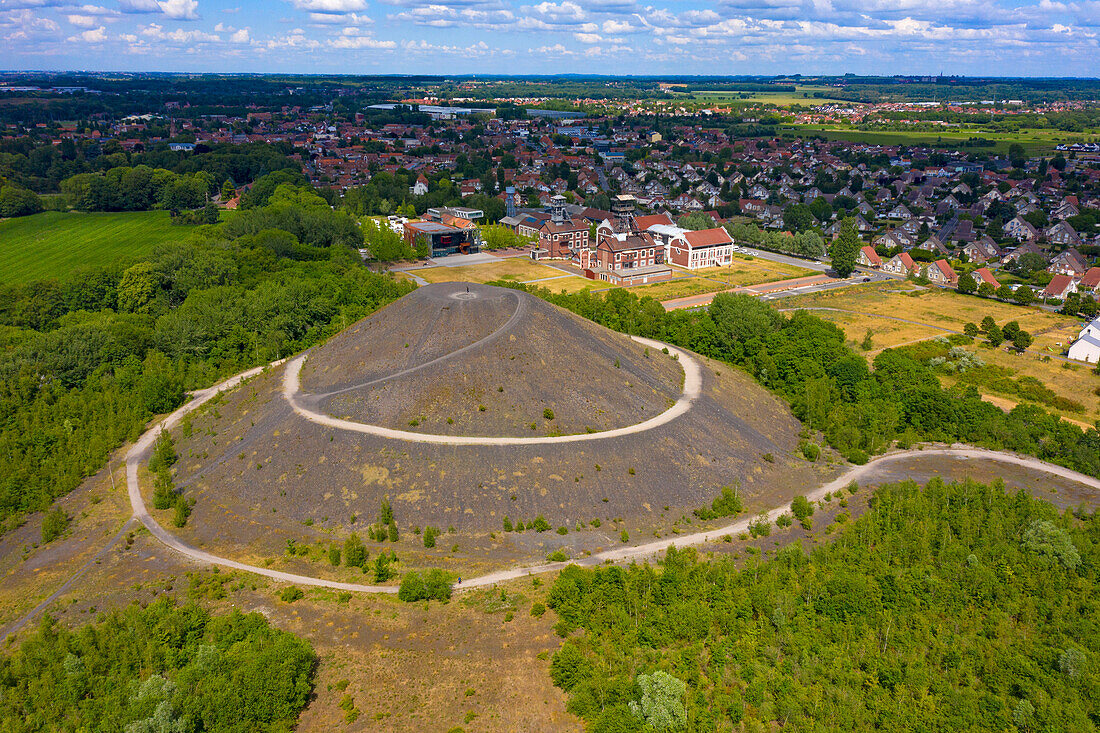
(141, 450)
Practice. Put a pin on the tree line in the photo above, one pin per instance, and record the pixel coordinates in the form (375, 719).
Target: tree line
(860, 410)
(88, 360)
(157, 668)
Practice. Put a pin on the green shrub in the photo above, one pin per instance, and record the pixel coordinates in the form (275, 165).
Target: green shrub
(557, 556)
(290, 594)
(54, 524)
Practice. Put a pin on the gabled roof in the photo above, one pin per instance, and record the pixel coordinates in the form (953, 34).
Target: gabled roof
(1090, 279)
(708, 237)
(983, 275)
(872, 256)
(645, 222)
(1057, 286)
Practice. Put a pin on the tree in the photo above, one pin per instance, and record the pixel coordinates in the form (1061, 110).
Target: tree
(845, 248)
(54, 524)
(1023, 295)
(986, 290)
(138, 287)
(355, 553)
(967, 285)
(1021, 341)
(801, 508)
(1052, 543)
(696, 221)
(662, 703)
(970, 329)
(988, 323)
(995, 336)
(1010, 329)
(797, 217)
(1004, 292)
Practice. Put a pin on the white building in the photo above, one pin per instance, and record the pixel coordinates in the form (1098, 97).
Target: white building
(1087, 346)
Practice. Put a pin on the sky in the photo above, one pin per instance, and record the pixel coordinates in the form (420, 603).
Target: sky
(969, 37)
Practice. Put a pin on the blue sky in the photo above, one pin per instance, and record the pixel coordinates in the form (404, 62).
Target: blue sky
(994, 37)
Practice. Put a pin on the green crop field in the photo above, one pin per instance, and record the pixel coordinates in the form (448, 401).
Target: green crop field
(803, 94)
(1033, 141)
(53, 244)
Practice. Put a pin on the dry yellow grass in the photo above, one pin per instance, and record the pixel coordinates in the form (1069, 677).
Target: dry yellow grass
(931, 306)
(753, 270)
(678, 288)
(885, 333)
(516, 269)
(874, 306)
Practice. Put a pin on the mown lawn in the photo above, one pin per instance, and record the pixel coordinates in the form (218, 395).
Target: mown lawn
(53, 244)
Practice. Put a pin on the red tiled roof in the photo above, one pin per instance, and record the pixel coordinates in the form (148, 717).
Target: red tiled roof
(871, 255)
(708, 237)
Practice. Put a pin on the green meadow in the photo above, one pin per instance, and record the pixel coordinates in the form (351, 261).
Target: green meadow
(53, 244)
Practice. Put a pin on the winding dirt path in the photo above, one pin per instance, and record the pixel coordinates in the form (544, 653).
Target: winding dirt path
(140, 451)
(142, 448)
(693, 387)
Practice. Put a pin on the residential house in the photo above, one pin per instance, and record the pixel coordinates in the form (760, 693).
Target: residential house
(867, 257)
(1069, 262)
(901, 264)
(941, 273)
(1087, 345)
(1059, 287)
(629, 258)
(1020, 230)
(983, 275)
(420, 187)
(1062, 233)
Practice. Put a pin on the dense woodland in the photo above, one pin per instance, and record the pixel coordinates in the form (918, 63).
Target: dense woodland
(949, 608)
(87, 361)
(158, 669)
(860, 411)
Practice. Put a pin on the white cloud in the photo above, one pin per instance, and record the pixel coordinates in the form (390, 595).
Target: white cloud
(330, 6)
(340, 19)
(157, 33)
(588, 37)
(82, 21)
(174, 9)
(617, 26)
(360, 42)
(95, 35)
(240, 36)
(180, 9)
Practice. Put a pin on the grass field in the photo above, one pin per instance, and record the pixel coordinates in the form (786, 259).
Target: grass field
(753, 271)
(875, 307)
(516, 269)
(1033, 141)
(803, 94)
(53, 244)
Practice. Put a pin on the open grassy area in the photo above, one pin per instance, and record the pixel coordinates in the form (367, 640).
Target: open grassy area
(53, 244)
(1033, 141)
(516, 269)
(928, 306)
(803, 94)
(753, 271)
(926, 312)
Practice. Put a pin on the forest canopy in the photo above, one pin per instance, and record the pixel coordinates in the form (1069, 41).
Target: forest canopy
(157, 669)
(953, 607)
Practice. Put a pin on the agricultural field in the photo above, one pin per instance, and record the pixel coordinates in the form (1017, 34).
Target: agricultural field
(53, 244)
(1033, 141)
(901, 313)
(803, 94)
